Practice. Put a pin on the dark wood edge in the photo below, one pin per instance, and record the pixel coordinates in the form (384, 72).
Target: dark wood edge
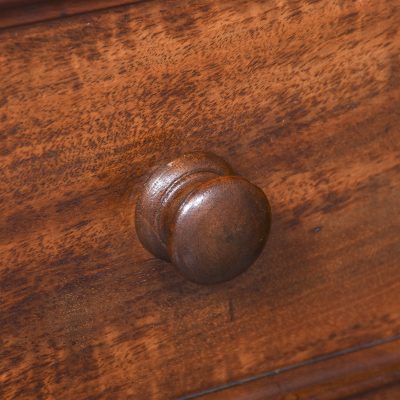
(334, 376)
(21, 12)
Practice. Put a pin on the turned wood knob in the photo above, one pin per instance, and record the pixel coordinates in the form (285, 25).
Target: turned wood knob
(196, 213)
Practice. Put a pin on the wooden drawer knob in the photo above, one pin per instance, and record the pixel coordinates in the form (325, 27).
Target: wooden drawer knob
(210, 223)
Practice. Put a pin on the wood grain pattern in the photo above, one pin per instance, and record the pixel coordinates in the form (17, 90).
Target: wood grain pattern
(301, 97)
(387, 392)
(20, 12)
(364, 374)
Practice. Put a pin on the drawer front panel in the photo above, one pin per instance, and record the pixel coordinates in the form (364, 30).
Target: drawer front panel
(300, 97)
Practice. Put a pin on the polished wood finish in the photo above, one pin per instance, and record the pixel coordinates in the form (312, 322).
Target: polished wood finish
(20, 12)
(367, 373)
(300, 97)
(198, 214)
(386, 392)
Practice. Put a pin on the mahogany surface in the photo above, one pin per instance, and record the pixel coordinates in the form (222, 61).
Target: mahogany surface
(361, 374)
(20, 12)
(300, 97)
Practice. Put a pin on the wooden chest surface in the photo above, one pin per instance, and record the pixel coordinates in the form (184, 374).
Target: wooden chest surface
(303, 98)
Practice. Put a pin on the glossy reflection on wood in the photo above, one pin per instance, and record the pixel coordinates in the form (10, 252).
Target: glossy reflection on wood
(209, 222)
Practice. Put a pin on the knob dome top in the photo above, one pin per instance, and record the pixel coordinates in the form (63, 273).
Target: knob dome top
(220, 229)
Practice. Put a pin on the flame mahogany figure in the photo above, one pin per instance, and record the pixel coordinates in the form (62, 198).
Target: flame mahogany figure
(302, 97)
